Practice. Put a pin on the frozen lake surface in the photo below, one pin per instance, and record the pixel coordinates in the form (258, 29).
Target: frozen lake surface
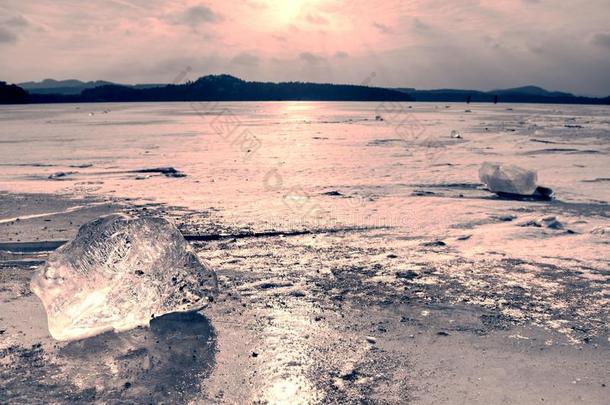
(286, 165)
(369, 219)
(303, 165)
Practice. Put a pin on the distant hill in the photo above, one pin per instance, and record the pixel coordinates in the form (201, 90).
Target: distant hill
(532, 91)
(526, 94)
(12, 94)
(227, 88)
(230, 88)
(74, 87)
(145, 85)
(51, 86)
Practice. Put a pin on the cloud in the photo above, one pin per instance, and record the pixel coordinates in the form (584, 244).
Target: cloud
(383, 28)
(7, 37)
(417, 43)
(419, 25)
(601, 39)
(537, 49)
(195, 16)
(256, 5)
(246, 59)
(311, 58)
(316, 19)
(11, 28)
(17, 21)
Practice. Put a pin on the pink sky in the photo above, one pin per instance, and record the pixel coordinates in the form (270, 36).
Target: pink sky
(482, 44)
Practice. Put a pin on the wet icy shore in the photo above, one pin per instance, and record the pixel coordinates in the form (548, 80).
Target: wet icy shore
(357, 258)
(321, 317)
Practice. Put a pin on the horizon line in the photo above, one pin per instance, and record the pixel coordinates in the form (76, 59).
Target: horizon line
(363, 84)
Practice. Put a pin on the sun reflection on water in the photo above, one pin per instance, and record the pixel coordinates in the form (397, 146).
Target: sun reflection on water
(288, 375)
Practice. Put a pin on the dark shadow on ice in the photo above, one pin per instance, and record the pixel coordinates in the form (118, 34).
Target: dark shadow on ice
(31, 247)
(163, 363)
(600, 209)
(540, 194)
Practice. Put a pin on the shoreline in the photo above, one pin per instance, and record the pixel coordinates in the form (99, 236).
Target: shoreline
(424, 102)
(317, 317)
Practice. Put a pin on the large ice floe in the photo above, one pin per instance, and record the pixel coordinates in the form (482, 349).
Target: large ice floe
(512, 181)
(119, 273)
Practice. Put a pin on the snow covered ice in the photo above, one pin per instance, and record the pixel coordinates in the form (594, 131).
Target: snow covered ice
(119, 273)
(509, 179)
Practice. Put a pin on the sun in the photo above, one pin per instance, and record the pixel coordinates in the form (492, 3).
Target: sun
(287, 11)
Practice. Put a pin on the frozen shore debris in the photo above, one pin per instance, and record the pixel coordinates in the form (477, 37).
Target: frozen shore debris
(550, 222)
(407, 274)
(333, 193)
(166, 171)
(142, 173)
(119, 273)
(435, 243)
(59, 175)
(601, 230)
(514, 182)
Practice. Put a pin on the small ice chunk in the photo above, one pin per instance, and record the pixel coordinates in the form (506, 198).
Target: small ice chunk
(601, 230)
(551, 222)
(509, 179)
(119, 273)
(456, 134)
(59, 175)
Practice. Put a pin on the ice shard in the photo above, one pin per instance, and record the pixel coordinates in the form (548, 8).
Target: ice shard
(508, 179)
(119, 273)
